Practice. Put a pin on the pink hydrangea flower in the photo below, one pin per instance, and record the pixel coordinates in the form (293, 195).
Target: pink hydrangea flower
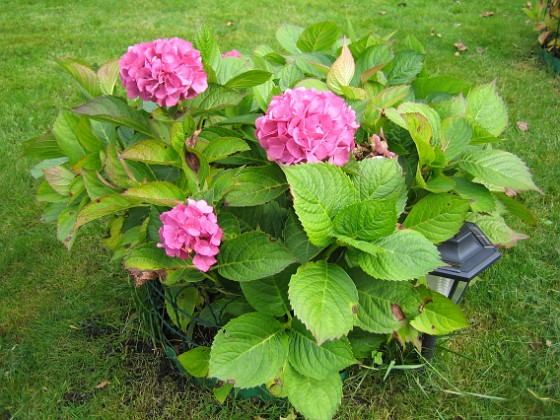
(163, 71)
(305, 125)
(232, 53)
(191, 228)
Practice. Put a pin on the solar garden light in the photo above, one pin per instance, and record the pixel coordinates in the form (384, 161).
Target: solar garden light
(467, 254)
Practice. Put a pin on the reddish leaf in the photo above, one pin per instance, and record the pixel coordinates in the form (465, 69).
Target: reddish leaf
(102, 385)
(522, 125)
(487, 14)
(460, 46)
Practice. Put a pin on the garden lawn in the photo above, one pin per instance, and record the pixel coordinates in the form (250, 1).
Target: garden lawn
(73, 343)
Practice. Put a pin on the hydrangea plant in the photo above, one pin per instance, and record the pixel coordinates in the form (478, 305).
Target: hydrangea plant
(292, 197)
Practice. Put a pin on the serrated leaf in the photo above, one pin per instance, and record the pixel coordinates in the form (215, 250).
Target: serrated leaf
(196, 361)
(224, 146)
(152, 152)
(320, 190)
(213, 99)
(318, 37)
(368, 220)
(160, 193)
(497, 230)
(255, 186)
(287, 35)
(269, 295)
(481, 199)
(324, 298)
(317, 362)
(59, 178)
(297, 241)
(404, 255)
(108, 74)
(248, 79)
(64, 130)
(425, 86)
(437, 216)
(384, 305)
(83, 75)
(390, 96)
(440, 316)
(500, 168)
(249, 350)
(288, 76)
(342, 71)
(456, 134)
(486, 108)
(205, 42)
(315, 399)
(43, 147)
(252, 256)
(405, 67)
(109, 204)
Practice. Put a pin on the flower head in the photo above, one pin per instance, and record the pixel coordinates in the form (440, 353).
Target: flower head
(232, 53)
(191, 228)
(163, 71)
(305, 125)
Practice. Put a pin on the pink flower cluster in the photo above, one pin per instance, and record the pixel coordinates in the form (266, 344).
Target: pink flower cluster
(191, 227)
(232, 53)
(305, 125)
(163, 71)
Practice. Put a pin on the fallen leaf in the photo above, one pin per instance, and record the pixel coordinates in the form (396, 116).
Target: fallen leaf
(102, 385)
(230, 23)
(549, 343)
(382, 12)
(457, 54)
(535, 345)
(522, 125)
(73, 327)
(487, 14)
(510, 193)
(480, 50)
(438, 35)
(433, 31)
(460, 46)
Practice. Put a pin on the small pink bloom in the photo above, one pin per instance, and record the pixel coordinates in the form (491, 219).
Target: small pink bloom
(232, 53)
(165, 71)
(191, 228)
(305, 125)
(380, 147)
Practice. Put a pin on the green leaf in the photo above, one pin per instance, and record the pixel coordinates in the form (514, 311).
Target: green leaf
(160, 193)
(115, 110)
(498, 231)
(43, 147)
(440, 316)
(429, 113)
(269, 295)
(221, 391)
(248, 79)
(517, 208)
(456, 134)
(151, 258)
(288, 76)
(180, 303)
(297, 241)
(205, 42)
(481, 200)
(59, 178)
(196, 361)
(64, 130)
(109, 204)
(440, 184)
(405, 67)
(287, 35)
(384, 305)
(312, 84)
(320, 190)
(499, 168)
(390, 96)
(108, 75)
(65, 232)
(255, 186)
(368, 220)
(224, 146)
(152, 152)
(314, 361)
(318, 37)
(342, 71)
(421, 132)
(324, 298)
(214, 99)
(94, 185)
(486, 108)
(249, 350)
(381, 179)
(82, 74)
(437, 216)
(37, 171)
(404, 255)
(252, 256)
(425, 86)
(315, 399)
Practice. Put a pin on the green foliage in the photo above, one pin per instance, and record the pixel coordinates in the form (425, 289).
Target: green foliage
(317, 250)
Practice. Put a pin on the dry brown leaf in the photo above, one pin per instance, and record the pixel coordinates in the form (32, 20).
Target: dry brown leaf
(522, 125)
(102, 385)
(457, 54)
(230, 23)
(460, 46)
(382, 12)
(535, 345)
(487, 14)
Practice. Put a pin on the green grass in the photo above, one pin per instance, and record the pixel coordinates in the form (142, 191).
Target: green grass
(68, 321)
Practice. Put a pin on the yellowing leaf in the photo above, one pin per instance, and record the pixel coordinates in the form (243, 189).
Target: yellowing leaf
(342, 71)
